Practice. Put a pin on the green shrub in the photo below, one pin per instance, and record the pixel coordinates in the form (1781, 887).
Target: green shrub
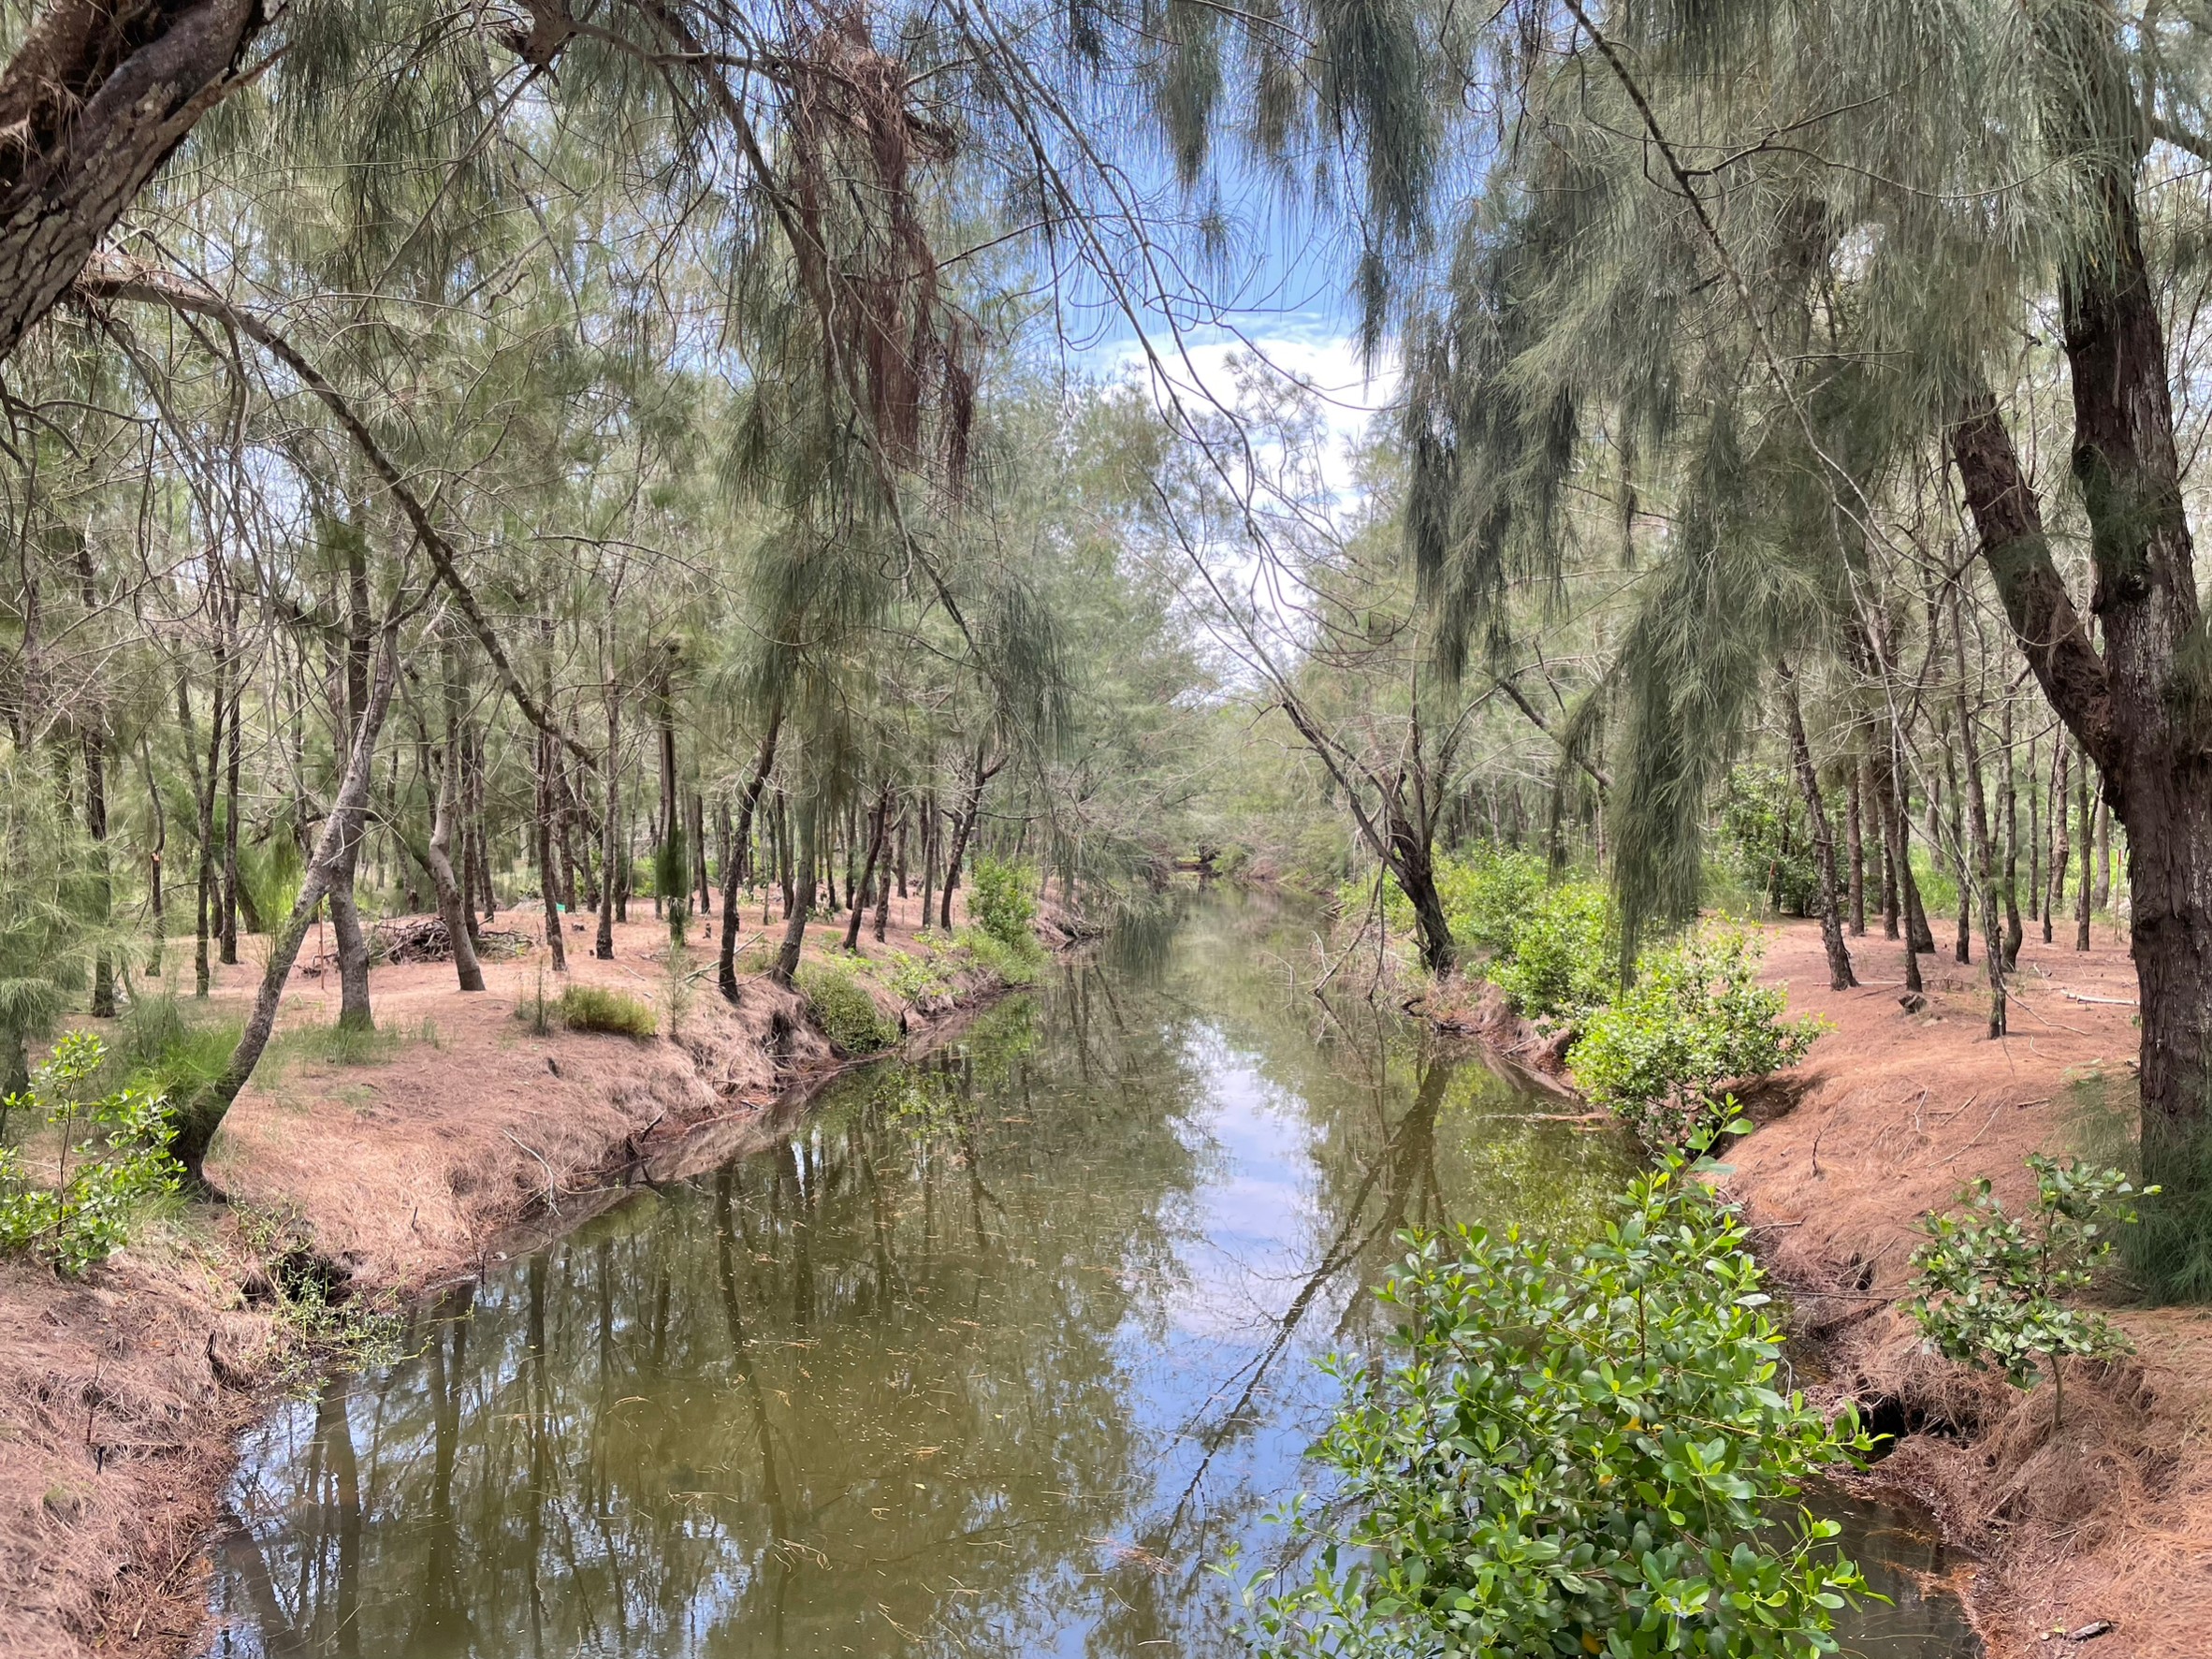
(1988, 1283)
(1001, 901)
(1696, 1018)
(1583, 1457)
(593, 1007)
(842, 1007)
(1763, 826)
(162, 1048)
(84, 1215)
(913, 979)
(1013, 964)
(1564, 955)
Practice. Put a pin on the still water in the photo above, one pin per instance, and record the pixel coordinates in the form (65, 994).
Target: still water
(991, 1354)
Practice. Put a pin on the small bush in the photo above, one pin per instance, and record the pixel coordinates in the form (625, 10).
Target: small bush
(1696, 1017)
(1013, 964)
(917, 980)
(594, 1007)
(1564, 955)
(1988, 1283)
(162, 1049)
(1592, 1456)
(1001, 901)
(842, 1007)
(84, 1216)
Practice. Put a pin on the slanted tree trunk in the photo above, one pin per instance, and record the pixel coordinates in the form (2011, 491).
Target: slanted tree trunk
(1841, 978)
(2141, 708)
(93, 100)
(199, 1118)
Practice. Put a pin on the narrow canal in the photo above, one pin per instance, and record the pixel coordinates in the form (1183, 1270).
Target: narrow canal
(996, 1353)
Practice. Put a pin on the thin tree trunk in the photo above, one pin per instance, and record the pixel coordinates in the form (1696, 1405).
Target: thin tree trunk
(1978, 816)
(1961, 867)
(1854, 838)
(547, 757)
(452, 903)
(859, 891)
(161, 841)
(2082, 894)
(795, 923)
(233, 742)
(2013, 934)
(734, 866)
(1841, 978)
(610, 848)
(2054, 898)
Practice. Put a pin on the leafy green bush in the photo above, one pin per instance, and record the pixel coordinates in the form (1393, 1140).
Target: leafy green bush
(1001, 901)
(593, 1007)
(1696, 1018)
(1988, 1283)
(162, 1047)
(918, 980)
(1488, 896)
(1763, 826)
(1013, 965)
(1587, 1457)
(842, 1007)
(84, 1215)
(1563, 963)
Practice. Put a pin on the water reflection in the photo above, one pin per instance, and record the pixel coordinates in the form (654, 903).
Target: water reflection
(991, 1356)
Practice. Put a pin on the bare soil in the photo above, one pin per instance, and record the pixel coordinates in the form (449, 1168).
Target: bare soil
(2109, 1519)
(121, 1394)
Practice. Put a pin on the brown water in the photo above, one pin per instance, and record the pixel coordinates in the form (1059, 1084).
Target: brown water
(993, 1355)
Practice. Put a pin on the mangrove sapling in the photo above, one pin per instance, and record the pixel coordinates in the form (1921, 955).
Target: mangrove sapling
(1576, 1455)
(1988, 1283)
(84, 1216)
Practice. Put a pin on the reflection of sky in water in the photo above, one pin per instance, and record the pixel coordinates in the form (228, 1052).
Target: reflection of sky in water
(991, 1357)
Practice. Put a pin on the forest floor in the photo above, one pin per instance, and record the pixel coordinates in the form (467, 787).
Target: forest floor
(406, 1165)
(2109, 1519)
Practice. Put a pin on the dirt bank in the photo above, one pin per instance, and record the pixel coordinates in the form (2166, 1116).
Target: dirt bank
(2109, 1520)
(120, 1395)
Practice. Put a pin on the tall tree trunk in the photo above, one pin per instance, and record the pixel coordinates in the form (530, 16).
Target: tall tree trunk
(95, 804)
(802, 905)
(156, 921)
(93, 100)
(199, 1118)
(452, 902)
(858, 890)
(2011, 844)
(1841, 978)
(2088, 852)
(1961, 867)
(734, 866)
(546, 756)
(1856, 839)
(1978, 816)
(610, 850)
(971, 808)
(884, 881)
(203, 788)
(2102, 899)
(1894, 834)
(233, 742)
(2054, 898)
(2035, 793)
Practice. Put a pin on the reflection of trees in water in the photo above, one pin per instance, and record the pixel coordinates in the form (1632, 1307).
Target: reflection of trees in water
(877, 1389)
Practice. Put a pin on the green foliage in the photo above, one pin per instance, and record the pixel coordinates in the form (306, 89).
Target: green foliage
(918, 980)
(271, 873)
(1763, 825)
(1011, 965)
(162, 1047)
(1581, 1457)
(84, 1215)
(1002, 899)
(1988, 1283)
(50, 909)
(1696, 1017)
(321, 1326)
(842, 1007)
(1564, 961)
(594, 1007)
(1488, 895)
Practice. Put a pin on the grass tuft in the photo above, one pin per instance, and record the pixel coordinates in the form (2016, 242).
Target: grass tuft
(593, 1007)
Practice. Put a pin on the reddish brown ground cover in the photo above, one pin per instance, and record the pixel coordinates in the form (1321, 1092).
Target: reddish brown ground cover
(120, 1395)
(2111, 1517)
